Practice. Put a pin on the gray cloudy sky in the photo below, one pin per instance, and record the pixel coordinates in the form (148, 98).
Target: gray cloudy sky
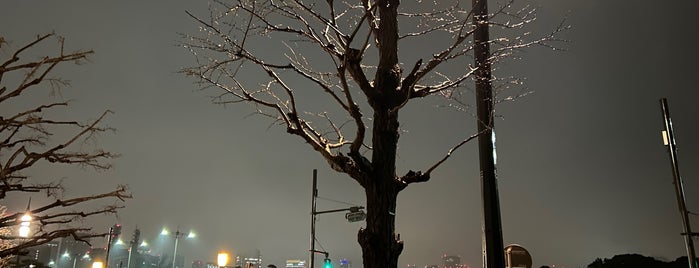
(582, 170)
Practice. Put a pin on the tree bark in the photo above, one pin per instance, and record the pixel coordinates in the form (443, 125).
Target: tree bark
(381, 246)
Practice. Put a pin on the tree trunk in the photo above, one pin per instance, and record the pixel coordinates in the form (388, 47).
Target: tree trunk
(380, 245)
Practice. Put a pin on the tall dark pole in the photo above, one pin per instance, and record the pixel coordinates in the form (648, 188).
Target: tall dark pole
(109, 246)
(174, 253)
(492, 225)
(313, 219)
(669, 138)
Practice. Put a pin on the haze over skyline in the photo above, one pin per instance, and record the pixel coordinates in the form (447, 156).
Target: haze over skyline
(581, 167)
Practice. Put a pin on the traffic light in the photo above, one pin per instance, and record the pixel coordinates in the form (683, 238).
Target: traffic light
(327, 263)
(115, 232)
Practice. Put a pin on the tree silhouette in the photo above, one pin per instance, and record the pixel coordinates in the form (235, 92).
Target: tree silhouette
(347, 52)
(30, 136)
(637, 260)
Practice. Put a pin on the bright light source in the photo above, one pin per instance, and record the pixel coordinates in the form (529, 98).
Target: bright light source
(97, 264)
(24, 231)
(26, 218)
(327, 263)
(191, 234)
(144, 244)
(25, 221)
(164, 232)
(222, 259)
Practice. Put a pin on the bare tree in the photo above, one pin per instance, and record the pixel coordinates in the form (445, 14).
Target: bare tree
(30, 136)
(275, 54)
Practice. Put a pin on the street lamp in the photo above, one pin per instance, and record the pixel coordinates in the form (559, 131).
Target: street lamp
(24, 226)
(177, 236)
(75, 257)
(25, 221)
(222, 259)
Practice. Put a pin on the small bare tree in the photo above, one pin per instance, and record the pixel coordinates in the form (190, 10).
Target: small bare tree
(275, 54)
(29, 136)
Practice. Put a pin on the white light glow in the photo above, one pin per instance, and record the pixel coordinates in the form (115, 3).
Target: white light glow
(222, 259)
(24, 231)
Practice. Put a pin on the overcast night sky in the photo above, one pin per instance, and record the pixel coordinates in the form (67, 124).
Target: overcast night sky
(581, 166)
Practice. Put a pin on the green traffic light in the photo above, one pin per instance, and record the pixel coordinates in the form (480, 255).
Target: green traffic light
(327, 263)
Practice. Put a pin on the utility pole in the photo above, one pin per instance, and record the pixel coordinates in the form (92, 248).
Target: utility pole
(356, 213)
(114, 232)
(492, 225)
(669, 141)
(313, 218)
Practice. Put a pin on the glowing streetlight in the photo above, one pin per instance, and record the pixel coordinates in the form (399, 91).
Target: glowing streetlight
(75, 257)
(25, 221)
(97, 264)
(177, 236)
(222, 259)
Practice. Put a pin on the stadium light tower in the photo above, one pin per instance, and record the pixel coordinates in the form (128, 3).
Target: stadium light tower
(177, 236)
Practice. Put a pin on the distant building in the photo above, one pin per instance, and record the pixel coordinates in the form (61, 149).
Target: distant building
(213, 265)
(73, 253)
(45, 254)
(295, 264)
(146, 260)
(198, 264)
(451, 261)
(119, 255)
(246, 261)
(344, 263)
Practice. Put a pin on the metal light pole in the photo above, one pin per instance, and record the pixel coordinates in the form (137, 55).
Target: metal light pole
(114, 231)
(174, 254)
(494, 256)
(313, 218)
(669, 140)
(75, 258)
(177, 236)
(128, 259)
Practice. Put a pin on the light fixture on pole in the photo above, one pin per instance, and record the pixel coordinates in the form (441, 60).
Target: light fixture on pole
(24, 225)
(75, 257)
(177, 236)
(24, 228)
